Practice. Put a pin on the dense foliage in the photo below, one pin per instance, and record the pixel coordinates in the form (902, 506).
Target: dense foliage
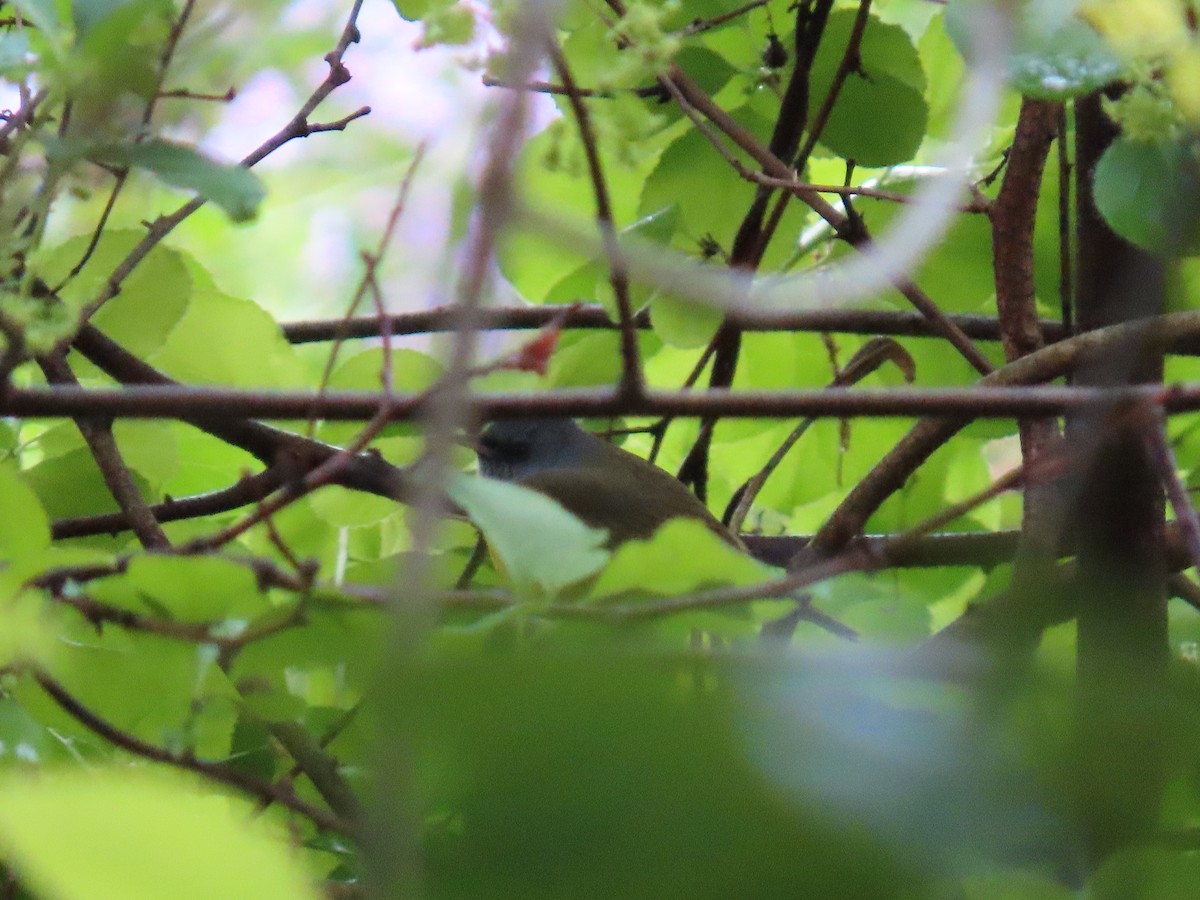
(250, 641)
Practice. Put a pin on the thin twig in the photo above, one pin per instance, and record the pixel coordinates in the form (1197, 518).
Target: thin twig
(851, 62)
(631, 381)
(98, 435)
(122, 175)
(1154, 435)
(216, 771)
(247, 490)
(867, 360)
(371, 263)
(699, 26)
(297, 127)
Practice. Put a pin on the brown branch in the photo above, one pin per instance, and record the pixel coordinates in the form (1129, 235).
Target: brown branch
(1065, 275)
(1122, 635)
(97, 612)
(1013, 215)
(98, 435)
(22, 117)
(246, 491)
(321, 768)
(699, 26)
(337, 124)
(594, 317)
(1154, 434)
(545, 87)
(842, 190)
(989, 399)
(856, 557)
(14, 347)
(750, 241)
(985, 549)
(851, 62)
(228, 96)
(721, 598)
(889, 475)
(747, 250)
(290, 453)
(1185, 589)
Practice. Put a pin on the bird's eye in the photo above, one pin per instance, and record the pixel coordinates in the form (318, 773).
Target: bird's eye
(498, 448)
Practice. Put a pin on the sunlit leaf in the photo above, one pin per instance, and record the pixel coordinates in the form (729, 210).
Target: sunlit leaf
(119, 833)
(24, 528)
(880, 115)
(682, 556)
(542, 547)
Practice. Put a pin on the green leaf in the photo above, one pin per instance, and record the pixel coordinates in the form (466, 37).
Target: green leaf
(152, 299)
(346, 638)
(27, 633)
(227, 340)
(1150, 195)
(709, 70)
(683, 555)
(524, 257)
(188, 589)
(118, 833)
(149, 448)
(1067, 63)
(411, 371)
(588, 360)
(451, 25)
(71, 485)
(542, 547)
(24, 528)
(683, 324)
(880, 115)
(1018, 885)
(1147, 872)
(42, 14)
(345, 508)
(543, 769)
(413, 10)
(695, 178)
(23, 739)
(234, 188)
(91, 14)
(14, 54)
(1054, 56)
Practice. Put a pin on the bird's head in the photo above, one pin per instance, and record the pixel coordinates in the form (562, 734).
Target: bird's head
(515, 449)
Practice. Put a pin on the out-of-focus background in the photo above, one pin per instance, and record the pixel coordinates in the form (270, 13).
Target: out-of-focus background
(329, 195)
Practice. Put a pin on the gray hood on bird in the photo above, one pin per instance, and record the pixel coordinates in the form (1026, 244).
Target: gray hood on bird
(516, 449)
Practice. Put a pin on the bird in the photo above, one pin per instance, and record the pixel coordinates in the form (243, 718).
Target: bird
(610, 488)
(598, 482)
